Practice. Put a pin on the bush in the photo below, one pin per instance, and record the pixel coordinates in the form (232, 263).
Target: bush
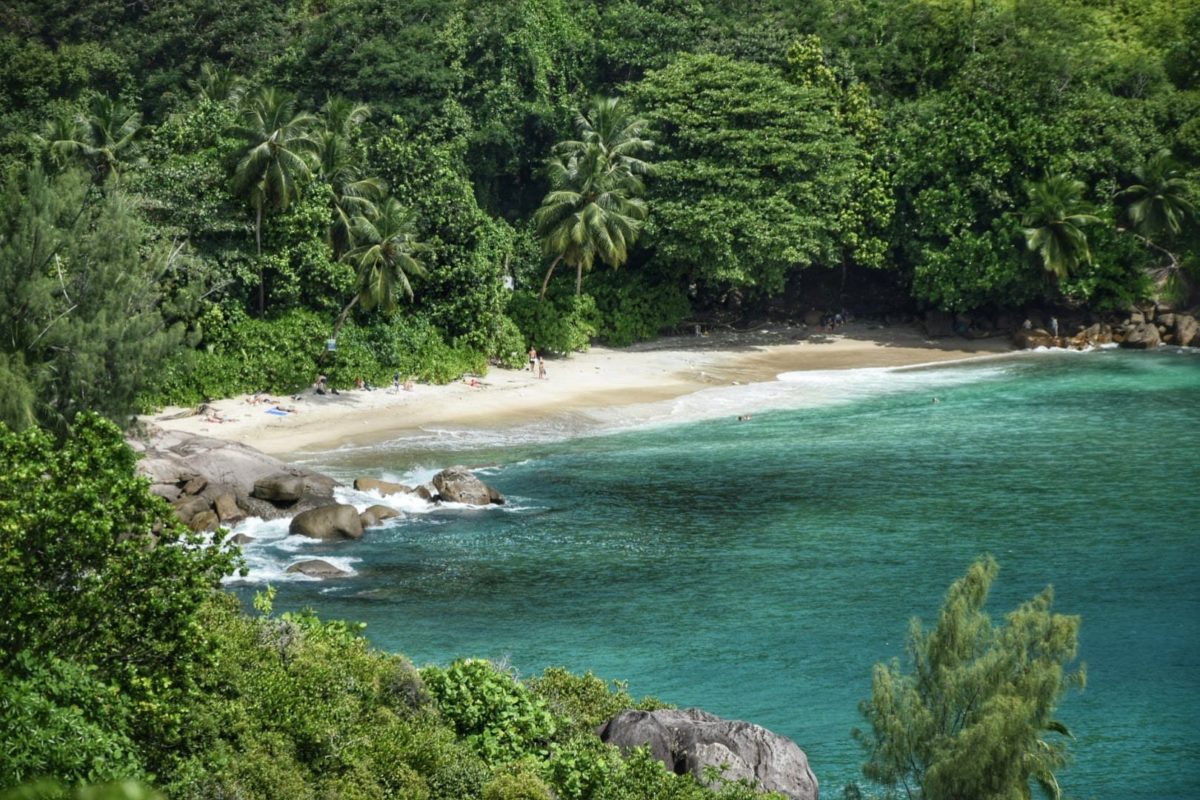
(559, 324)
(584, 702)
(633, 309)
(498, 717)
(509, 347)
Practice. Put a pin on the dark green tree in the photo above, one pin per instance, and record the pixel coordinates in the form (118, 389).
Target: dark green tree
(594, 207)
(81, 327)
(973, 716)
(277, 162)
(1054, 223)
(1160, 205)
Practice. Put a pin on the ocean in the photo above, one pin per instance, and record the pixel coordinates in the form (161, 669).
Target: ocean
(759, 568)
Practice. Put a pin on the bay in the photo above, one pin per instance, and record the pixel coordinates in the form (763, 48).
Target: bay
(759, 568)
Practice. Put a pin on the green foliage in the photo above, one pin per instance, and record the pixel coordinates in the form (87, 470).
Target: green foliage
(500, 718)
(79, 301)
(972, 716)
(752, 173)
(584, 702)
(518, 782)
(60, 719)
(508, 347)
(633, 309)
(120, 584)
(53, 790)
(562, 323)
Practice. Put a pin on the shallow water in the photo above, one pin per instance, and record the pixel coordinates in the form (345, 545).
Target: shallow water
(759, 569)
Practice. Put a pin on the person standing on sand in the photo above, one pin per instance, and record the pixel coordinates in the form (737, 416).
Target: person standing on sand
(541, 367)
(533, 357)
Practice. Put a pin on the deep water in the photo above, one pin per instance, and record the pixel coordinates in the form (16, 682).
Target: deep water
(759, 569)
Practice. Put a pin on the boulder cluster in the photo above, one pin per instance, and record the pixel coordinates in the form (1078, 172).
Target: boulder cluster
(1141, 329)
(212, 482)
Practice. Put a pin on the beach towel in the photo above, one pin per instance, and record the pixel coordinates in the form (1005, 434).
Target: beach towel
(278, 412)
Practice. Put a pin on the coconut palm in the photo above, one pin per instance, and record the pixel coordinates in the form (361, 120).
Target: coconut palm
(1055, 218)
(277, 160)
(594, 208)
(103, 138)
(1159, 198)
(388, 255)
(352, 194)
(217, 85)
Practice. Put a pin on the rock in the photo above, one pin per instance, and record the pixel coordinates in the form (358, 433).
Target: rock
(458, 485)
(1165, 320)
(383, 487)
(1187, 331)
(376, 514)
(167, 491)
(205, 521)
(316, 568)
(813, 318)
(1142, 337)
(334, 521)
(227, 509)
(1035, 337)
(690, 740)
(424, 492)
(281, 487)
(188, 507)
(1136, 317)
(241, 538)
(195, 485)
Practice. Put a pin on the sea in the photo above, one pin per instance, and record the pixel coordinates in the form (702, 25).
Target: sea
(759, 567)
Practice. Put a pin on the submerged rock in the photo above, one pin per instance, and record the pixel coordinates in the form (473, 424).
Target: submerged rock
(316, 568)
(383, 487)
(376, 514)
(690, 740)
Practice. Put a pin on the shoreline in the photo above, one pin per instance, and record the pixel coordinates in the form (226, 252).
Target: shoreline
(596, 380)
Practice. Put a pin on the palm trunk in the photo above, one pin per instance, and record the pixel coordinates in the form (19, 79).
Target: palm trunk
(579, 279)
(337, 326)
(546, 282)
(262, 292)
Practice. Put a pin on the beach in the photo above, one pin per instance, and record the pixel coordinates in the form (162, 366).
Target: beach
(600, 378)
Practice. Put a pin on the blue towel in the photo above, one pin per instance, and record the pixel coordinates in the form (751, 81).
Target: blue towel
(279, 412)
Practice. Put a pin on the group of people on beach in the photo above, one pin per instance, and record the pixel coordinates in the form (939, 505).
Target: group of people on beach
(537, 364)
(831, 322)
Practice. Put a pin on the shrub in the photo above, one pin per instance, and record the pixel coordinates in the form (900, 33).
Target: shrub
(559, 324)
(498, 717)
(584, 702)
(635, 309)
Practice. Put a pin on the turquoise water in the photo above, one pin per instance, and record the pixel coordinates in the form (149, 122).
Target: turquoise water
(759, 569)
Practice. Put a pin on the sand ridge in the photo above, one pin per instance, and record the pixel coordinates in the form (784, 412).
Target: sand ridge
(597, 379)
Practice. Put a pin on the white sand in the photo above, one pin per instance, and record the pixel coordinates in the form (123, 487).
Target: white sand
(597, 379)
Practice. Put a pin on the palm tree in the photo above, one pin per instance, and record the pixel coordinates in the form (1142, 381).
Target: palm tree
(594, 206)
(352, 195)
(386, 258)
(1160, 200)
(1055, 217)
(217, 85)
(103, 137)
(1160, 206)
(276, 162)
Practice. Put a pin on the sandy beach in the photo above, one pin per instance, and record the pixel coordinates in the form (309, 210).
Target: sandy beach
(598, 379)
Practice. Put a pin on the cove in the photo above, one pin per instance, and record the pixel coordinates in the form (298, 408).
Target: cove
(759, 569)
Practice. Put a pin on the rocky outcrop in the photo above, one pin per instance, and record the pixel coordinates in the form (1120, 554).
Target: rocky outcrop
(690, 740)
(1187, 331)
(316, 568)
(1142, 336)
(376, 514)
(1029, 339)
(280, 488)
(334, 521)
(459, 485)
(231, 480)
(383, 487)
